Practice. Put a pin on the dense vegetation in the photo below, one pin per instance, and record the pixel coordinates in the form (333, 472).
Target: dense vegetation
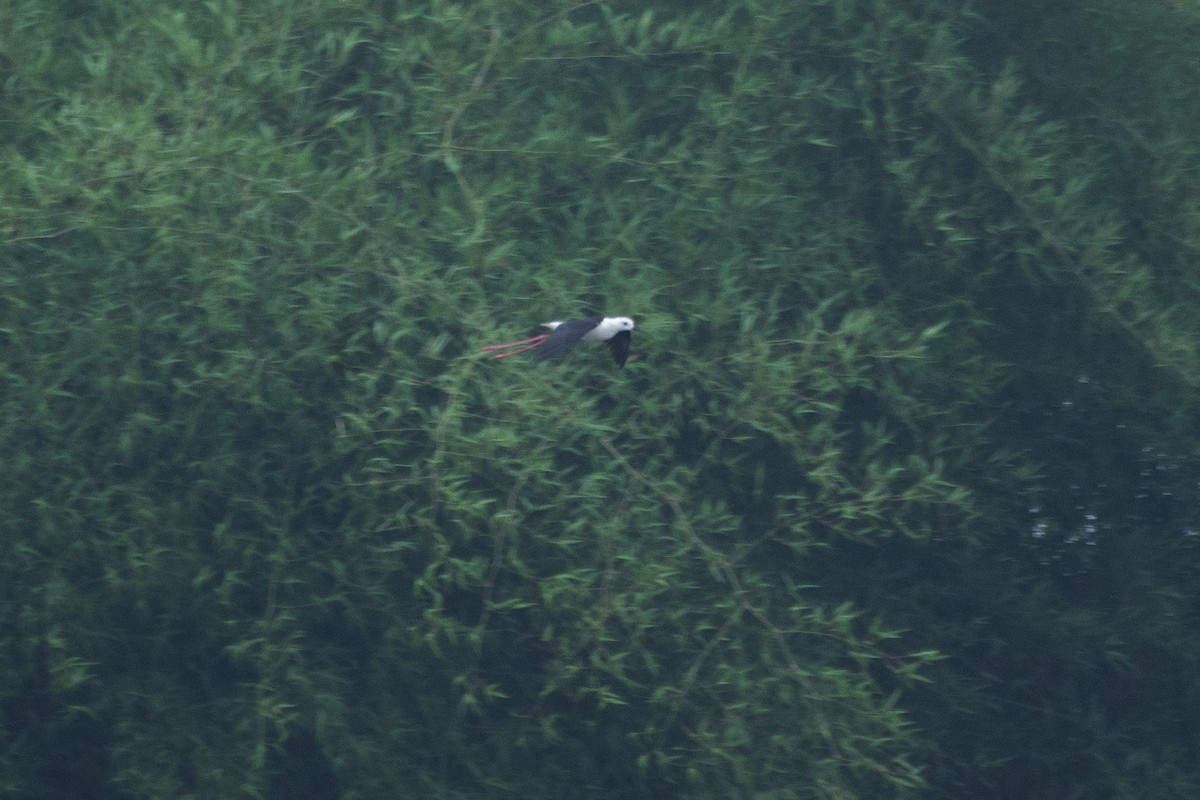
(899, 499)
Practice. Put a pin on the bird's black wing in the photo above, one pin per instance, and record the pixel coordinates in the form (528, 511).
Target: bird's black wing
(564, 337)
(618, 345)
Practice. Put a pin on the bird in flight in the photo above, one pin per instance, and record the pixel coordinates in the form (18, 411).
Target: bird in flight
(614, 332)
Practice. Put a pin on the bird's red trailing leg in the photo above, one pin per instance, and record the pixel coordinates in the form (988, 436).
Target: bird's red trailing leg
(529, 343)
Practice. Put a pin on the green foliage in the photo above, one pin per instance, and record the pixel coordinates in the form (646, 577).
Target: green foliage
(895, 500)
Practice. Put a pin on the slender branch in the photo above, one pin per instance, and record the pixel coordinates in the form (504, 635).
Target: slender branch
(722, 562)
(448, 147)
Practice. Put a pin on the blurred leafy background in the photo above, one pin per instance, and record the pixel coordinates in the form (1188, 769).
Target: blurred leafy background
(899, 498)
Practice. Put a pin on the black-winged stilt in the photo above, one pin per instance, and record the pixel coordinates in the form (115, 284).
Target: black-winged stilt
(613, 331)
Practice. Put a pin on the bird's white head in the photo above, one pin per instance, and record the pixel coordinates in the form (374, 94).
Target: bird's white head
(609, 327)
